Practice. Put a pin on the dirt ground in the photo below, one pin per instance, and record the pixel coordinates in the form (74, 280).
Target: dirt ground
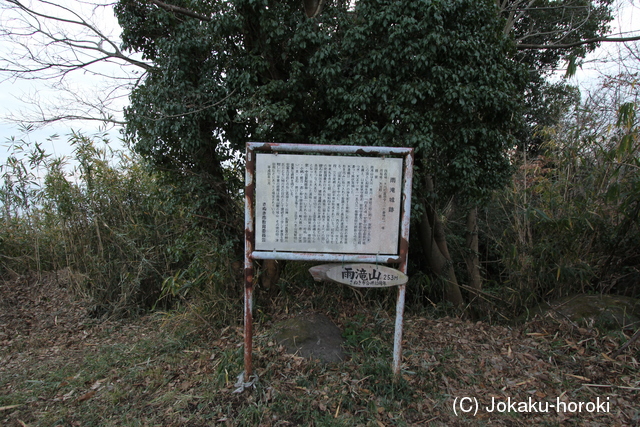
(455, 372)
(41, 320)
(44, 327)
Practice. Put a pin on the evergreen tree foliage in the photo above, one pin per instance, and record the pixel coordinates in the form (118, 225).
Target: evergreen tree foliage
(435, 75)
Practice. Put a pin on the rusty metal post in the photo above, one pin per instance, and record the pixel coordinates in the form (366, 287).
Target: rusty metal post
(404, 256)
(248, 322)
(249, 214)
(397, 337)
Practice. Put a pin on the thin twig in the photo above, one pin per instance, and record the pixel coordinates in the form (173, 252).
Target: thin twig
(481, 294)
(624, 346)
(612, 386)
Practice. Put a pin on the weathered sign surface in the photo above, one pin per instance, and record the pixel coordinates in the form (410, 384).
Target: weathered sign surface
(328, 204)
(359, 275)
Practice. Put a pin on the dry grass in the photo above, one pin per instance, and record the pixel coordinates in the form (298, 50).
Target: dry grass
(59, 367)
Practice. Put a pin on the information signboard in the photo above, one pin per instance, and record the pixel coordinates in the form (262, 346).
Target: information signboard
(328, 204)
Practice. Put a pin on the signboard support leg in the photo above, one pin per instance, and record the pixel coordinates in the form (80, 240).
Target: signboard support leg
(249, 240)
(397, 338)
(248, 317)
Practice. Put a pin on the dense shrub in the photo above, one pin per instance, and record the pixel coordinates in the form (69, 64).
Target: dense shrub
(111, 220)
(569, 221)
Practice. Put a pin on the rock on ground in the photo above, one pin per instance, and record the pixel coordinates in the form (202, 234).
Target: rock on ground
(311, 335)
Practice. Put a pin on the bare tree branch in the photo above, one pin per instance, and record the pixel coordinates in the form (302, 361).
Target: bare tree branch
(88, 42)
(47, 41)
(524, 46)
(180, 10)
(513, 12)
(561, 21)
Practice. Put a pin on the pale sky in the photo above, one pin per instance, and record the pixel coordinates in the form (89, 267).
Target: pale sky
(13, 93)
(604, 59)
(84, 84)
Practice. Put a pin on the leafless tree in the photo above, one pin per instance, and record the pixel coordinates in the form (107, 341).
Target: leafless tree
(71, 48)
(564, 21)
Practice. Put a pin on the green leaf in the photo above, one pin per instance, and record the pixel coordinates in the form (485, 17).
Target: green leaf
(572, 67)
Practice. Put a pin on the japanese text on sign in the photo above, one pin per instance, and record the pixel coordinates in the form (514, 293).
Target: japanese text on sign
(328, 203)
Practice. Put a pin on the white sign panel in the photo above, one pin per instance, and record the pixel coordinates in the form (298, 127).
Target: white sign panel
(367, 275)
(328, 204)
(359, 275)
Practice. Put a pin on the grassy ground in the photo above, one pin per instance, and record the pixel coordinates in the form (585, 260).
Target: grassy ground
(59, 367)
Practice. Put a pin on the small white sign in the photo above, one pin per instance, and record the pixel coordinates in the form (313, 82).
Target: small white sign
(366, 275)
(328, 204)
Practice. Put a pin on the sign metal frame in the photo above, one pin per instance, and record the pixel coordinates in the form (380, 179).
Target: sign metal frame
(250, 255)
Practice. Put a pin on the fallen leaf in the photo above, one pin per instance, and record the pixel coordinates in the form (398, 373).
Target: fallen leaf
(579, 377)
(97, 385)
(86, 396)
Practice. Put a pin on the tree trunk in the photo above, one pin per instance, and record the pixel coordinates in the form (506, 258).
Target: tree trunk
(471, 258)
(434, 246)
(270, 273)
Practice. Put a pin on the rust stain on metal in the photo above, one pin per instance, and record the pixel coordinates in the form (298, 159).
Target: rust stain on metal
(404, 251)
(267, 147)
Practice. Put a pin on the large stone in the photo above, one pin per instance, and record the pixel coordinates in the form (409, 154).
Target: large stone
(311, 335)
(603, 311)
